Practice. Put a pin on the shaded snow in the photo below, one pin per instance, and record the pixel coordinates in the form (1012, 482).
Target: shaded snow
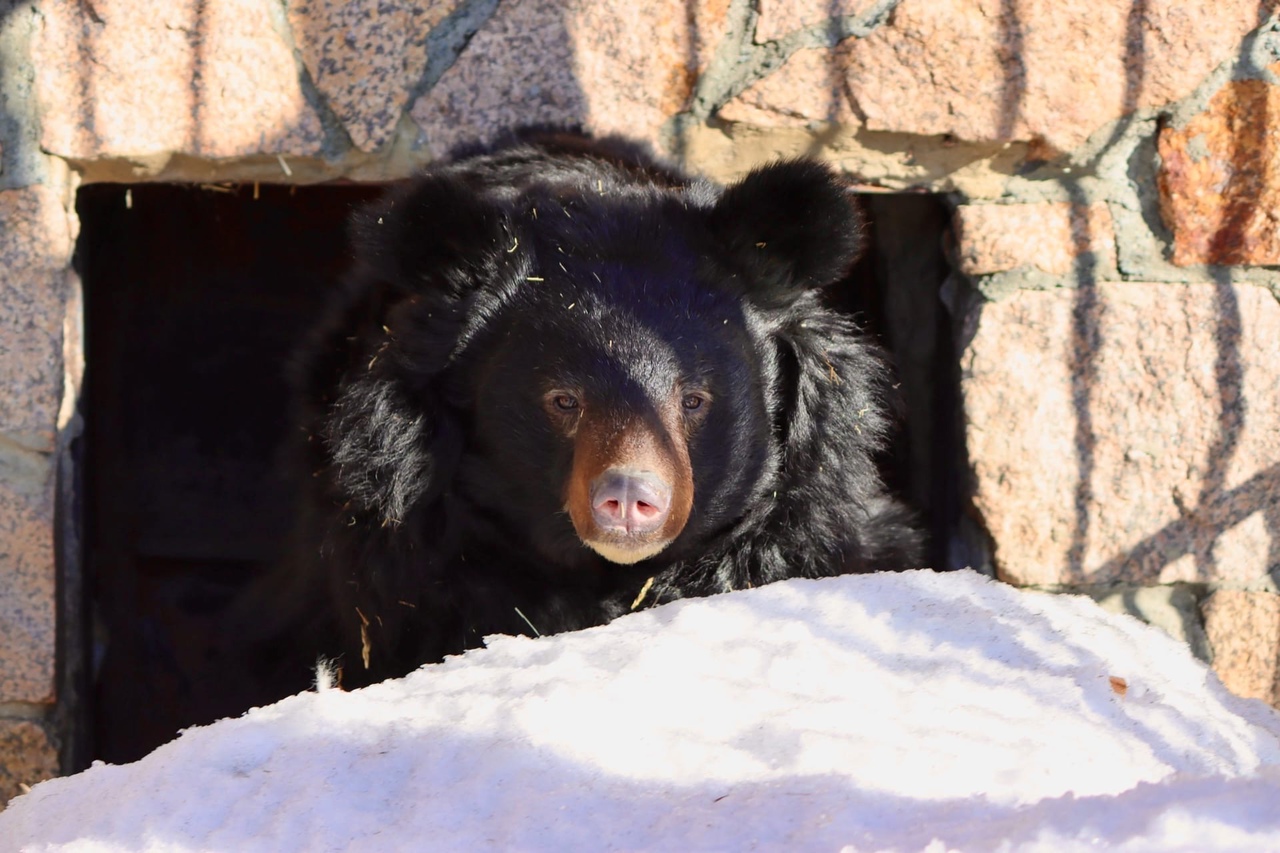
(879, 712)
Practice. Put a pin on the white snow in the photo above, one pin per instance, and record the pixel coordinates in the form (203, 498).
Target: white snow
(900, 712)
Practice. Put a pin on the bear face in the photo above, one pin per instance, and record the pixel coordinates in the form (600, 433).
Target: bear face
(567, 382)
(628, 418)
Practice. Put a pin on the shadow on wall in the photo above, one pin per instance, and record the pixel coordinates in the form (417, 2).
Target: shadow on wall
(122, 99)
(17, 109)
(1216, 509)
(23, 165)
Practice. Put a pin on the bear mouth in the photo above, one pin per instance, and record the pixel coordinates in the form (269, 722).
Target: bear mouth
(626, 552)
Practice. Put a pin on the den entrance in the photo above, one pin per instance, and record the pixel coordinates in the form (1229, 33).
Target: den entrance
(196, 298)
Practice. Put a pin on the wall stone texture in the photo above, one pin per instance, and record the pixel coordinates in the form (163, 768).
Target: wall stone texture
(1109, 166)
(780, 18)
(1220, 178)
(27, 756)
(35, 248)
(366, 57)
(612, 68)
(1242, 627)
(1058, 238)
(1034, 70)
(131, 78)
(1127, 432)
(28, 603)
(236, 78)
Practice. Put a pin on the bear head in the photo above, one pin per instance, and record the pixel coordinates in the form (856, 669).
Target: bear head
(593, 364)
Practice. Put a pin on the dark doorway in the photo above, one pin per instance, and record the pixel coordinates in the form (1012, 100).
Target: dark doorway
(895, 293)
(195, 299)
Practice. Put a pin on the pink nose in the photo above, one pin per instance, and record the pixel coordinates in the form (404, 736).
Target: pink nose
(624, 500)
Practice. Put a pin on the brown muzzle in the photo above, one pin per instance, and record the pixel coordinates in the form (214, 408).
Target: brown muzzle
(631, 488)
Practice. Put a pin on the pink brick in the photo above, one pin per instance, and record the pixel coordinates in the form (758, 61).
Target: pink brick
(1244, 633)
(365, 56)
(612, 67)
(1050, 237)
(211, 78)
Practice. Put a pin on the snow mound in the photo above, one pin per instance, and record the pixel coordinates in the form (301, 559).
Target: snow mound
(905, 711)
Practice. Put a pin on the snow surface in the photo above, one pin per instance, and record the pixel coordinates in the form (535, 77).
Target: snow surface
(903, 712)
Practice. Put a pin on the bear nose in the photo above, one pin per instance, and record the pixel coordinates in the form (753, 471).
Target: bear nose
(630, 501)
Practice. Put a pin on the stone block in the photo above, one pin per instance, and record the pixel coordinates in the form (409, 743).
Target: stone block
(132, 78)
(365, 57)
(27, 756)
(779, 17)
(1056, 238)
(28, 603)
(808, 87)
(611, 67)
(493, 85)
(1037, 69)
(1128, 432)
(1244, 634)
(35, 249)
(1220, 178)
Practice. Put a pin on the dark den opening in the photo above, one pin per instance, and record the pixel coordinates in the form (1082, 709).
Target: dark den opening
(196, 296)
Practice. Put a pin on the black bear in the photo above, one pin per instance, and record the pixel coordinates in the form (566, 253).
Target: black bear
(567, 383)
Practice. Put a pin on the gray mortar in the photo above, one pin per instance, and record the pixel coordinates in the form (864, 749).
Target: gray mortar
(1130, 171)
(337, 142)
(732, 62)
(1002, 285)
(445, 44)
(407, 148)
(1119, 164)
(23, 469)
(28, 711)
(1198, 148)
(1142, 239)
(338, 157)
(1174, 609)
(1259, 49)
(23, 164)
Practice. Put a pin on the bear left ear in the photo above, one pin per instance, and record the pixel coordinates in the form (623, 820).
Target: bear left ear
(433, 234)
(792, 226)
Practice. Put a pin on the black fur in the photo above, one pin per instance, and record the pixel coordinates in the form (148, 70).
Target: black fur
(434, 485)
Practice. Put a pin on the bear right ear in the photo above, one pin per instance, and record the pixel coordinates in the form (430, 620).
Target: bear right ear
(434, 233)
(792, 227)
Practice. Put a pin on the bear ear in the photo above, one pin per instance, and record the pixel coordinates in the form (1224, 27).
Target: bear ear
(435, 232)
(792, 226)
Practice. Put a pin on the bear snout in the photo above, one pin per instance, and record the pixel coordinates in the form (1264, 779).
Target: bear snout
(630, 502)
(630, 491)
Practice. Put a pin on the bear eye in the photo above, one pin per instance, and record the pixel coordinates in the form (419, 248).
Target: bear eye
(693, 402)
(565, 402)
